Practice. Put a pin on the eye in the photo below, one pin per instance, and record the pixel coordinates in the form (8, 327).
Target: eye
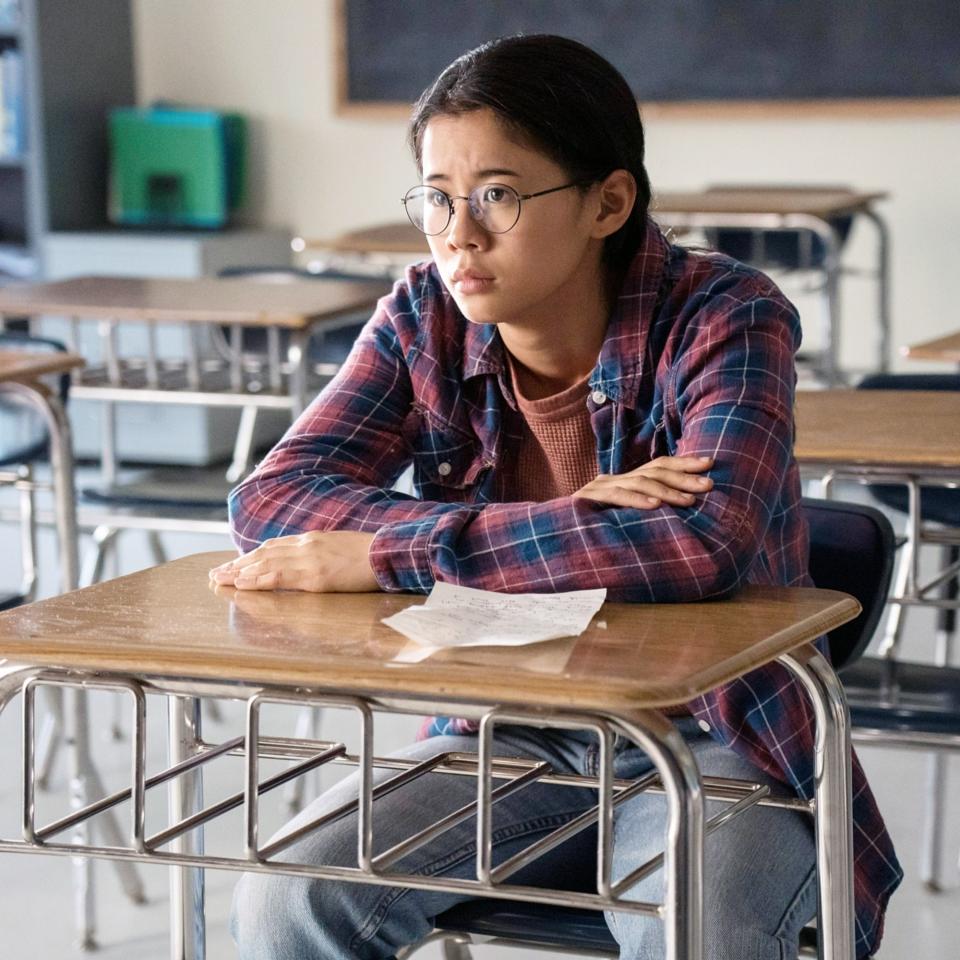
(436, 198)
(493, 193)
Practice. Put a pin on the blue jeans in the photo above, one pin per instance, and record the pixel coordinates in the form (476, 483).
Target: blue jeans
(760, 879)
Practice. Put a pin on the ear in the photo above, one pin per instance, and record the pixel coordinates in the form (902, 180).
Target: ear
(617, 194)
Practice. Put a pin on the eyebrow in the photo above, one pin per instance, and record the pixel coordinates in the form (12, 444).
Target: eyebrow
(490, 172)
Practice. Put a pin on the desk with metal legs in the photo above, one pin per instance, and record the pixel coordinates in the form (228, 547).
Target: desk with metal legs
(273, 378)
(190, 641)
(812, 210)
(908, 437)
(20, 374)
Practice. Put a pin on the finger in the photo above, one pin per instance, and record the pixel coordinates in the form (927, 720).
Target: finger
(260, 579)
(620, 497)
(684, 464)
(279, 549)
(660, 491)
(223, 566)
(672, 479)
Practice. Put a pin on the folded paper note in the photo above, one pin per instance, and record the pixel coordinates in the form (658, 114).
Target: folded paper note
(462, 616)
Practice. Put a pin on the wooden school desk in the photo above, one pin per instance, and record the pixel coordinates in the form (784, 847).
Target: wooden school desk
(945, 349)
(265, 381)
(190, 640)
(908, 437)
(810, 209)
(19, 378)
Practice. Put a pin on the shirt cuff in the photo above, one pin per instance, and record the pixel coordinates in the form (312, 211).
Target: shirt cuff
(400, 556)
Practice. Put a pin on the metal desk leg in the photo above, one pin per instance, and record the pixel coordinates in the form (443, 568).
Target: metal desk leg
(298, 360)
(683, 866)
(831, 273)
(883, 287)
(61, 462)
(834, 798)
(187, 927)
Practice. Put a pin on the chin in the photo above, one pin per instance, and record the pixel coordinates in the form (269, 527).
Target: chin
(476, 312)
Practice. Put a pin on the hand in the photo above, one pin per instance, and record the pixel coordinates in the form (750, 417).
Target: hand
(320, 562)
(670, 480)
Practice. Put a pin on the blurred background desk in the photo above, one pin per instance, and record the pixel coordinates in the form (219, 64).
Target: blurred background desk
(943, 349)
(255, 352)
(792, 229)
(909, 438)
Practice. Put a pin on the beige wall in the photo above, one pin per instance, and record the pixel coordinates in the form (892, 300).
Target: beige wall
(317, 173)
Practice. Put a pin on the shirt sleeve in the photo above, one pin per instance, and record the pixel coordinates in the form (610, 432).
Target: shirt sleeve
(730, 385)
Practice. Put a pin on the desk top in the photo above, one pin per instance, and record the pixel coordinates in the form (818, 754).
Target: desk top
(295, 305)
(168, 621)
(880, 428)
(23, 365)
(399, 237)
(816, 201)
(943, 348)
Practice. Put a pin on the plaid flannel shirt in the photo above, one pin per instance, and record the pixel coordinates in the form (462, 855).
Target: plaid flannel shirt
(698, 360)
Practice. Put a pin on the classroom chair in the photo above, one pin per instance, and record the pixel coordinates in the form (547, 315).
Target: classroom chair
(919, 703)
(851, 549)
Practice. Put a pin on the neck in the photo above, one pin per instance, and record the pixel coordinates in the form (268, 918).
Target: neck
(561, 349)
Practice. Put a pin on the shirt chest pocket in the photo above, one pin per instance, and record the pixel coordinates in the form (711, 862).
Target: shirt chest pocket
(446, 464)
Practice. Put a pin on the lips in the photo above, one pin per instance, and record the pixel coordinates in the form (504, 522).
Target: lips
(468, 281)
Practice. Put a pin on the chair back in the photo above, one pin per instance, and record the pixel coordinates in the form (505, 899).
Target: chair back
(851, 549)
(23, 430)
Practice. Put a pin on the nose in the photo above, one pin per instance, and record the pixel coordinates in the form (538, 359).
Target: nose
(464, 232)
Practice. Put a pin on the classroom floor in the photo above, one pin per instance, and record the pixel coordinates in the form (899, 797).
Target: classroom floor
(36, 910)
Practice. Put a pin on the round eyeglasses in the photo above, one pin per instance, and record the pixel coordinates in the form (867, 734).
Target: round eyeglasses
(495, 206)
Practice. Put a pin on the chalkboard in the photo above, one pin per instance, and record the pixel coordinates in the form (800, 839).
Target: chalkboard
(748, 51)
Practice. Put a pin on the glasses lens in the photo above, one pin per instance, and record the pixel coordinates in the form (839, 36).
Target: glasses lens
(428, 209)
(496, 206)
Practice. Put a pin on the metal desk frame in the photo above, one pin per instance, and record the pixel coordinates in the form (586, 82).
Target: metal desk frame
(828, 366)
(676, 776)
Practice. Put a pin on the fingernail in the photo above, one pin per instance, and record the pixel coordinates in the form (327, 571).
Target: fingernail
(652, 500)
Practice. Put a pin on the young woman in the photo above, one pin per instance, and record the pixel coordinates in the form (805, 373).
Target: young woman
(584, 405)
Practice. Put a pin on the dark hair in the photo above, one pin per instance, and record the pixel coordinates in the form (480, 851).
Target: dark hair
(561, 97)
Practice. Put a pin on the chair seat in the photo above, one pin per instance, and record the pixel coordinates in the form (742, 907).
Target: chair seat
(537, 923)
(903, 696)
(937, 504)
(560, 928)
(174, 488)
(10, 600)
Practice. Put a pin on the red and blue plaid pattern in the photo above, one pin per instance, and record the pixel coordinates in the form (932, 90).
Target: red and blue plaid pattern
(698, 360)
